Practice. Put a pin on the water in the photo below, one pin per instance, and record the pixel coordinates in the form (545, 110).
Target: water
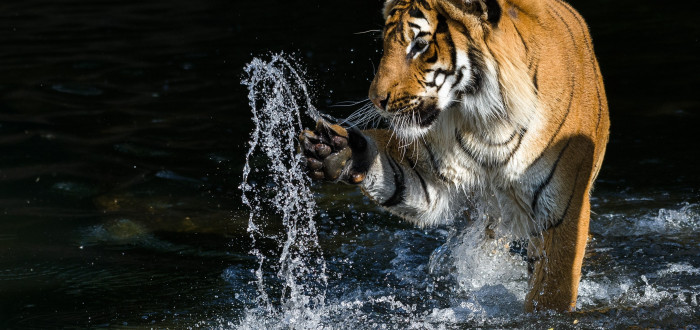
(277, 94)
(124, 130)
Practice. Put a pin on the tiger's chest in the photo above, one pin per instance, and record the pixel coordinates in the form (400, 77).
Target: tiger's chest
(499, 171)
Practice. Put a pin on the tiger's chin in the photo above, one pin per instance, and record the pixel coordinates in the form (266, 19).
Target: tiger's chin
(410, 133)
(412, 125)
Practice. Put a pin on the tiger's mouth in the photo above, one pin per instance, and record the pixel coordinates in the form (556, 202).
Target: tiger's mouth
(421, 115)
(428, 115)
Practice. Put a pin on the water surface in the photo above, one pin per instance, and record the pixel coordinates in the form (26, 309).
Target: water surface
(123, 130)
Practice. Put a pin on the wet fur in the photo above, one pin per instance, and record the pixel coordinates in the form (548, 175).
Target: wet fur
(522, 134)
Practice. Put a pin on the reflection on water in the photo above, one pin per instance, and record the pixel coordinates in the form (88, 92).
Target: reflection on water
(123, 130)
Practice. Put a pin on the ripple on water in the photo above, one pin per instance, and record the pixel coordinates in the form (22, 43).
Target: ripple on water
(385, 282)
(76, 89)
(684, 219)
(75, 189)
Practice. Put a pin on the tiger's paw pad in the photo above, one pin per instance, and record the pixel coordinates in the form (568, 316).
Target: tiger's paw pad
(326, 150)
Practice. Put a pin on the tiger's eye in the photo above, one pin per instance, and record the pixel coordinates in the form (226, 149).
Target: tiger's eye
(419, 45)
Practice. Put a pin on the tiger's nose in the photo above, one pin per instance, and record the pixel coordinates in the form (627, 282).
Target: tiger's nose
(380, 101)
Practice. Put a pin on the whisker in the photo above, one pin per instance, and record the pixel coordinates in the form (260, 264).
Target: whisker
(368, 31)
(349, 103)
(363, 116)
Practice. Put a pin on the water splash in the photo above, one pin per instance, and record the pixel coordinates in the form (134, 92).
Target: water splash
(683, 219)
(482, 269)
(277, 96)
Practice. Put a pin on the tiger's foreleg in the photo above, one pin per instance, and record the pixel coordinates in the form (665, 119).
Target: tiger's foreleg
(393, 177)
(400, 180)
(556, 260)
(556, 255)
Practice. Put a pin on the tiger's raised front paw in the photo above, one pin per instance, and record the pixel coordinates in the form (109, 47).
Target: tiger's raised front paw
(334, 153)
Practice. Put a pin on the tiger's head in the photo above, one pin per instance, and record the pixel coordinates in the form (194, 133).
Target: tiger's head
(437, 58)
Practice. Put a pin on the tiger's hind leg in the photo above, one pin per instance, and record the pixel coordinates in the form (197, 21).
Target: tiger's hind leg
(556, 255)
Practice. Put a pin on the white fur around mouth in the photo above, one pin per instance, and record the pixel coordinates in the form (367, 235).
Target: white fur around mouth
(408, 131)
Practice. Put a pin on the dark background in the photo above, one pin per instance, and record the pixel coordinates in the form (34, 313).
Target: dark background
(120, 119)
(108, 58)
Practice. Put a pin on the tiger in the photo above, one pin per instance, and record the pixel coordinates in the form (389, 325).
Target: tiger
(495, 102)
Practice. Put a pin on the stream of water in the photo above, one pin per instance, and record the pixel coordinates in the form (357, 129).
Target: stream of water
(278, 96)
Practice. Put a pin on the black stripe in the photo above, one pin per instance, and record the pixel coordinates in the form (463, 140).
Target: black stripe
(493, 11)
(568, 28)
(458, 77)
(532, 60)
(453, 51)
(532, 57)
(534, 80)
(498, 69)
(425, 4)
(568, 204)
(476, 59)
(568, 107)
(463, 30)
(444, 29)
(581, 24)
(436, 48)
(527, 50)
(466, 150)
(499, 144)
(389, 28)
(540, 188)
(512, 136)
(419, 80)
(399, 32)
(600, 106)
(399, 184)
(529, 56)
(434, 163)
(420, 177)
(489, 162)
(561, 124)
(416, 13)
(591, 54)
(512, 152)
(441, 25)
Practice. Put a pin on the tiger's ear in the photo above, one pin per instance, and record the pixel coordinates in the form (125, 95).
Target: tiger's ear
(488, 10)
